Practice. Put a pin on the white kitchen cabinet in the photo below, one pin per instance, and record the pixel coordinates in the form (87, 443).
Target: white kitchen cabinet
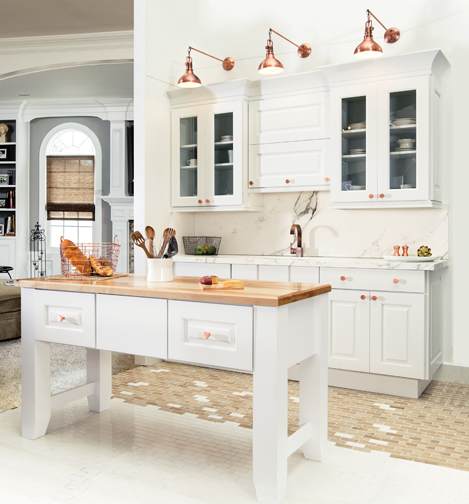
(199, 269)
(288, 139)
(209, 149)
(307, 274)
(397, 328)
(385, 132)
(244, 271)
(349, 330)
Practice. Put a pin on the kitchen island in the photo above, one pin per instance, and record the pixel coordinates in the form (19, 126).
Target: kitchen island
(265, 328)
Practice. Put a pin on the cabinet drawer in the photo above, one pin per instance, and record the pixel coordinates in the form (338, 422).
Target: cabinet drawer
(210, 334)
(201, 269)
(374, 279)
(132, 325)
(273, 273)
(244, 271)
(307, 274)
(66, 317)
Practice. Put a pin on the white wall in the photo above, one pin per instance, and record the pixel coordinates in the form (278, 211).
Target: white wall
(334, 28)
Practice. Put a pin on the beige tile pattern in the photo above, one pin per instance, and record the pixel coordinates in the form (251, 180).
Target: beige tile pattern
(433, 429)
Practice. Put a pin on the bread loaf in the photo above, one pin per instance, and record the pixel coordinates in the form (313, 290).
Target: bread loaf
(76, 257)
(101, 266)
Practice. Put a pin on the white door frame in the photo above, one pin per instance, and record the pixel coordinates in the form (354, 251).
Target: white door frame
(97, 226)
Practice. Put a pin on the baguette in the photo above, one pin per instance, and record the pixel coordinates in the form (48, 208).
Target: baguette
(76, 257)
(101, 266)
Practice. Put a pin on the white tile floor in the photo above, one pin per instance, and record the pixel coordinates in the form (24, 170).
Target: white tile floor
(133, 454)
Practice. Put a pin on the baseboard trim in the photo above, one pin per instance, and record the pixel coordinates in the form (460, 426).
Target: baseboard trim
(451, 373)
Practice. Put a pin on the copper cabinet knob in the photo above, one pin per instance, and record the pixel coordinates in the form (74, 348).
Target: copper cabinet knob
(343, 278)
(251, 183)
(327, 179)
(199, 201)
(374, 298)
(206, 335)
(363, 297)
(381, 195)
(371, 196)
(287, 181)
(395, 280)
(207, 201)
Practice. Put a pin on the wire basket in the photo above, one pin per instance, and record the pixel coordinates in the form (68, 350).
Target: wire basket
(201, 245)
(97, 260)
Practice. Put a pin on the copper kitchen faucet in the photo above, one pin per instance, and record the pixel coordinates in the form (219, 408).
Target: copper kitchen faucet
(296, 246)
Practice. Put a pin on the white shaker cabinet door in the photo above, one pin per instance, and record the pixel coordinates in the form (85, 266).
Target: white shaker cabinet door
(349, 330)
(397, 343)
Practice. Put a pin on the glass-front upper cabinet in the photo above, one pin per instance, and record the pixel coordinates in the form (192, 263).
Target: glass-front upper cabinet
(405, 176)
(354, 131)
(226, 155)
(186, 162)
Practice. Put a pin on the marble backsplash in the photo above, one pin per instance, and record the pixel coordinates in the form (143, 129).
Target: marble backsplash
(326, 231)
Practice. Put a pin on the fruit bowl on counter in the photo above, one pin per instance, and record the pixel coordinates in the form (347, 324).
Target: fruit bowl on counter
(201, 245)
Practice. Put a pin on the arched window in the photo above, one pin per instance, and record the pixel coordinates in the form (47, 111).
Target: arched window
(70, 186)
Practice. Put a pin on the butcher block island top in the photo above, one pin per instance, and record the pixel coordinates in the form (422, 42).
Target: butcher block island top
(258, 293)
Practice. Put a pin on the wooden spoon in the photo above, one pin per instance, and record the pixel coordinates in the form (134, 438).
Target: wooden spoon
(168, 233)
(150, 233)
(139, 240)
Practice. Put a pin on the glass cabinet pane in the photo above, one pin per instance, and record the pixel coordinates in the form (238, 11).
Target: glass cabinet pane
(403, 140)
(188, 157)
(354, 144)
(223, 154)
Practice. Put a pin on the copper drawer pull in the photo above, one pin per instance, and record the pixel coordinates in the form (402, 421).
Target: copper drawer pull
(343, 278)
(374, 298)
(395, 280)
(371, 196)
(363, 297)
(206, 335)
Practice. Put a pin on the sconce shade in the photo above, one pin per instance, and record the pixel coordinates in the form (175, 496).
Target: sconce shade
(188, 79)
(368, 47)
(270, 65)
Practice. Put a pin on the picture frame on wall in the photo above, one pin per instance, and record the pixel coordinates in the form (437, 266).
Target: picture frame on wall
(2, 229)
(4, 179)
(3, 153)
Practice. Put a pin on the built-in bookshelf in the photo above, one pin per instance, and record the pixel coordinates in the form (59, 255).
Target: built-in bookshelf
(7, 178)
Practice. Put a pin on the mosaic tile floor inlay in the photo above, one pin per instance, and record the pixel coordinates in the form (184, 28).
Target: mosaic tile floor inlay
(433, 429)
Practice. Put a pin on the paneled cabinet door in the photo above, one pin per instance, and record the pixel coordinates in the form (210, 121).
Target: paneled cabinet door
(290, 118)
(353, 143)
(189, 171)
(349, 330)
(397, 334)
(225, 154)
(404, 134)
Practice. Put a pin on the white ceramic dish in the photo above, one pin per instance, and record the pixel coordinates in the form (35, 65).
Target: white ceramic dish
(409, 258)
(404, 121)
(358, 125)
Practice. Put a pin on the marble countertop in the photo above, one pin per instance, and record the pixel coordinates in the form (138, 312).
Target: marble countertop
(328, 262)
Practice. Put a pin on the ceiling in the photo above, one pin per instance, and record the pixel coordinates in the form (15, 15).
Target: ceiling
(97, 80)
(24, 18)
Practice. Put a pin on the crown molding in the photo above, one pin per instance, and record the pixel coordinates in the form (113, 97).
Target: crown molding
(115, 39)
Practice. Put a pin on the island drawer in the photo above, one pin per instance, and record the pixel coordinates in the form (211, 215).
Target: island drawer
(133, 325)
(211, 334)
(65, 317)
(374, 279)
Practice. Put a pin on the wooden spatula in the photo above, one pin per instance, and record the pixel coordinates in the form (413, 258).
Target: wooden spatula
(150, 234)
(139, 240)
(168, 233)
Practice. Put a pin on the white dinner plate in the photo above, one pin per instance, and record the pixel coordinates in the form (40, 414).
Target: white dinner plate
(409, 258)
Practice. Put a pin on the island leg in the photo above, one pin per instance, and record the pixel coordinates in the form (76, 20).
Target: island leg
(270, 405)
(99, 371)
(313, 384)
(35, 374)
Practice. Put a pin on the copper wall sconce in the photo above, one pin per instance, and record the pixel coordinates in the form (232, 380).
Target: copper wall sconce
(368, 47)
(189, 79)
(270, 65)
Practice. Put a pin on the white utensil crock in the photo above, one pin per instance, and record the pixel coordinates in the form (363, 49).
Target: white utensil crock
(159, 270)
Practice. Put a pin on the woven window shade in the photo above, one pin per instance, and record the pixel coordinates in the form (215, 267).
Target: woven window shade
(70, 188)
